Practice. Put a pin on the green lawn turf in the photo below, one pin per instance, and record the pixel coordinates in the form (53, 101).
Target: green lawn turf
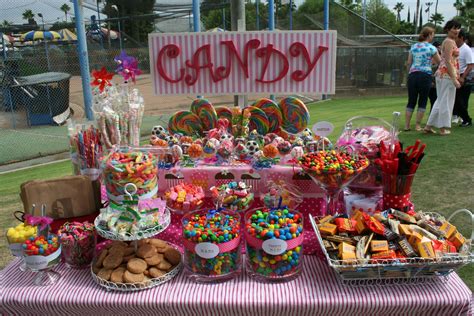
(443, 182)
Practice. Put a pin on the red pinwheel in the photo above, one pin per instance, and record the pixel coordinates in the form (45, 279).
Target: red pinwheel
(102, 78)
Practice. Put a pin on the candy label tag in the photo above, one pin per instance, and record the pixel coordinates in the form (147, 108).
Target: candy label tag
(16, 249)
(274, 246)
(206, 250)
(322, 129)
(42, 262)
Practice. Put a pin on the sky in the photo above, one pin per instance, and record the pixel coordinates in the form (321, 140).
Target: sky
(11, 10)
(445, 7)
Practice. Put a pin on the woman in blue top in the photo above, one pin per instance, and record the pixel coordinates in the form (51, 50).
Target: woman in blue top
(420, 59)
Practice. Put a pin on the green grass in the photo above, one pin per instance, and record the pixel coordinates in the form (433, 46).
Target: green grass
(443, 182)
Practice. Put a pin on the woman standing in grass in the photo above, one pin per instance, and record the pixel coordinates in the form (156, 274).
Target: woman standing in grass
(420, 59)
(446, 82)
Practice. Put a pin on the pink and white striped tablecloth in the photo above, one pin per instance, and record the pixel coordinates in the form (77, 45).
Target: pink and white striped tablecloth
(316, 292)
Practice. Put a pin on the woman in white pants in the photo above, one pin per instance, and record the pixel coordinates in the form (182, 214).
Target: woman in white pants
(446, 82)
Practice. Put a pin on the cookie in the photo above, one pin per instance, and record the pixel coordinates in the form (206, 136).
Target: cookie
(105, 273)
(96, 269)
(128, 258)
(156, 273)
(129, 251)
(146, 273)
(158, 243)
(117, 243)
(154, 260)
(117, 250)
(112, 261)
(173, 256)
(136, 265)
(117, 275)
(142, 242)
(130, 277)
(146, 251)
(164, 265)
(100, 259)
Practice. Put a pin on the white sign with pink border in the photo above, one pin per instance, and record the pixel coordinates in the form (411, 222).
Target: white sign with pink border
(244, 62)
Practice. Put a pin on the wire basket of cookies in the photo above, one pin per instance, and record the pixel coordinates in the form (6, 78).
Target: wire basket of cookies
(135, 266)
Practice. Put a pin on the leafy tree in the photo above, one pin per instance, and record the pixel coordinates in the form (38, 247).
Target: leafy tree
(65, 8)
(28, 14)
(399, 7)
(5, 24)
(380, 14)
(62, 25)
(133, 25)
(405, 27)
(437, 18)
(408, 15)
(354, 5)
(465, 13)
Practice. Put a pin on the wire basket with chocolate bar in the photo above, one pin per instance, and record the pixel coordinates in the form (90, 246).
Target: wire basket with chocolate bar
(393, 246)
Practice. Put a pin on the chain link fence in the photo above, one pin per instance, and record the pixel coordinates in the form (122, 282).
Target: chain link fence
(40, 84)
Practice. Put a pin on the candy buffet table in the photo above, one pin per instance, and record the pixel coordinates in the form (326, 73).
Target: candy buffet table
(316, 292)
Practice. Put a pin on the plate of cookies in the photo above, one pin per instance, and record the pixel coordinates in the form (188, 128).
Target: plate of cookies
(134, 266)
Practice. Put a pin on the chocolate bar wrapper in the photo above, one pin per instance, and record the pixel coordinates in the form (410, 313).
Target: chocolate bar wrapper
(394, 224)
(404, 217)
(406, 248)
(339, 239)
(431, 228)
(423, 232)
(360, 250)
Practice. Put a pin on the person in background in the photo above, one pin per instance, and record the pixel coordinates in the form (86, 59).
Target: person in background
(466, 64)
(420, 58)
(432, 94)
(446, 82)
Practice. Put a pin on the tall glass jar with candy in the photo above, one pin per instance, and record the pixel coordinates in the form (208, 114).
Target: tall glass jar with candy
(274, 244)
(212, 245)
(126, 165)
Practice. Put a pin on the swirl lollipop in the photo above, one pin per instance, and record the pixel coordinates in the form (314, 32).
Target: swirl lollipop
(224, 112)
(273, 112)
(185, 122)
(295, 115)
(258, 120)
(206, 112)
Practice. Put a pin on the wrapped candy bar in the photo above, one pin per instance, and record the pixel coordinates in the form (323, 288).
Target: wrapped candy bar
(390, 236)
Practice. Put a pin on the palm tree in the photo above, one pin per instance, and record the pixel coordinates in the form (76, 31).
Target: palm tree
(428, 8)
(65, 8)
(6, 24)
(437, 18)
(459, 6)
(399, 7)
(417, 15)
(28, 14)
(436, 7)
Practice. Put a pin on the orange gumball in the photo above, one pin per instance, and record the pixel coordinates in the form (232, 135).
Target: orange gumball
(186, 140)
(160, 143)
(270, 151)
(195, 151)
